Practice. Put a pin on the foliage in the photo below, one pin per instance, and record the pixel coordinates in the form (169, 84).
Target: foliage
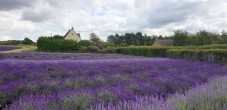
(202, 37)
(96, 41)
(108, 44)
(27, 41)
(180, 38)
(209, 55)
(147, 51)
(93, 49)
(108, 50)
(136, 39)
(58, 37)
(84, 43)
(48, 44)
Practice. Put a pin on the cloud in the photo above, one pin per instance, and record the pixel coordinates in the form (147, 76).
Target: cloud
(12, 27)
(43, 17)
(15, 4)
(40, 12)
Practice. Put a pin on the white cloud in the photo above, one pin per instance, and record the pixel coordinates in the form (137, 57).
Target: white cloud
(34, 19)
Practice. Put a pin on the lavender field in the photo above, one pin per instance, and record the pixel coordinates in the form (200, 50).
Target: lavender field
(55, 81)
(6, 48)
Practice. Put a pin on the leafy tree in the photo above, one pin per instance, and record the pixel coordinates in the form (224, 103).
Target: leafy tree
(223, 37)
(127, 39)
(140, 37)
(27, 41)
(205, 38)
(58, 37)
(96, 40)
(180, 38)
(111, 38)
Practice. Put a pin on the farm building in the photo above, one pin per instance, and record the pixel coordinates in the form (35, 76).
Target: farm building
(72, 35)
(163, 42)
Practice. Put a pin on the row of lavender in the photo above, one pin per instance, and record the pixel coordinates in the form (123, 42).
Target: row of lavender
(6, 48)
(83, 80)
(209, 96)
(61, 56)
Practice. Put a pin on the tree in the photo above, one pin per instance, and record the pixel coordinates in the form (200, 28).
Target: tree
(148, 40)
(205, 38)
(111, 38)
(27, 41)
(223, 37)
(58, 37)
(141, 39)
(180, 38)
(96, 40)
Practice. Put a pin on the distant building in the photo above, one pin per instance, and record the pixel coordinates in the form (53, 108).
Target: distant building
(163, 42)
(72, 35)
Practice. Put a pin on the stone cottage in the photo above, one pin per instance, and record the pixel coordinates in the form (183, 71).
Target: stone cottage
(72, 35)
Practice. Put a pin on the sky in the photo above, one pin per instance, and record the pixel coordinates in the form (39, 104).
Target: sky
(35, 18)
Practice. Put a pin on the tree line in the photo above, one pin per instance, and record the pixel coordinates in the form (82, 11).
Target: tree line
(202, 37)
(180, 38)
(127, 39)
(26, 41)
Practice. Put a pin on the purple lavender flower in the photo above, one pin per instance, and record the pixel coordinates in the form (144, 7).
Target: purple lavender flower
(110, 80)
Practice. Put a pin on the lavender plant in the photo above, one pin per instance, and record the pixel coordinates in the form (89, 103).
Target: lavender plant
(6, 48)
(63, 81)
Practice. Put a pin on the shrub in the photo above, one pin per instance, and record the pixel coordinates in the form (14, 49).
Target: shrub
(148, 51)
(83, 49)
(84, 43)
(108, 50)
(48, 44)
(93, 49)
(108, 44)
(210, 55)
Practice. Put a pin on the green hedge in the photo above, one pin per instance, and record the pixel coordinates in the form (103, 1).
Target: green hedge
(47, 44)
(147, 51)
(209, 55)
(212, 53)
(214, 46)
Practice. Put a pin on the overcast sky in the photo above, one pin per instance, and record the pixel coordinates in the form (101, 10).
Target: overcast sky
(34, 18)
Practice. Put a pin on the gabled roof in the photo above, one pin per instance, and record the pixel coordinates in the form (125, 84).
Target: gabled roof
(69, 32)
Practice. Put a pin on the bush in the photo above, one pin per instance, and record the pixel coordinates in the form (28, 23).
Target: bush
(108, 50)
(48, 44)
(108, 44)
(83, 49)
(93, 49)
(214, 46)
(209, 55)
(84, 43)
(148, 51)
